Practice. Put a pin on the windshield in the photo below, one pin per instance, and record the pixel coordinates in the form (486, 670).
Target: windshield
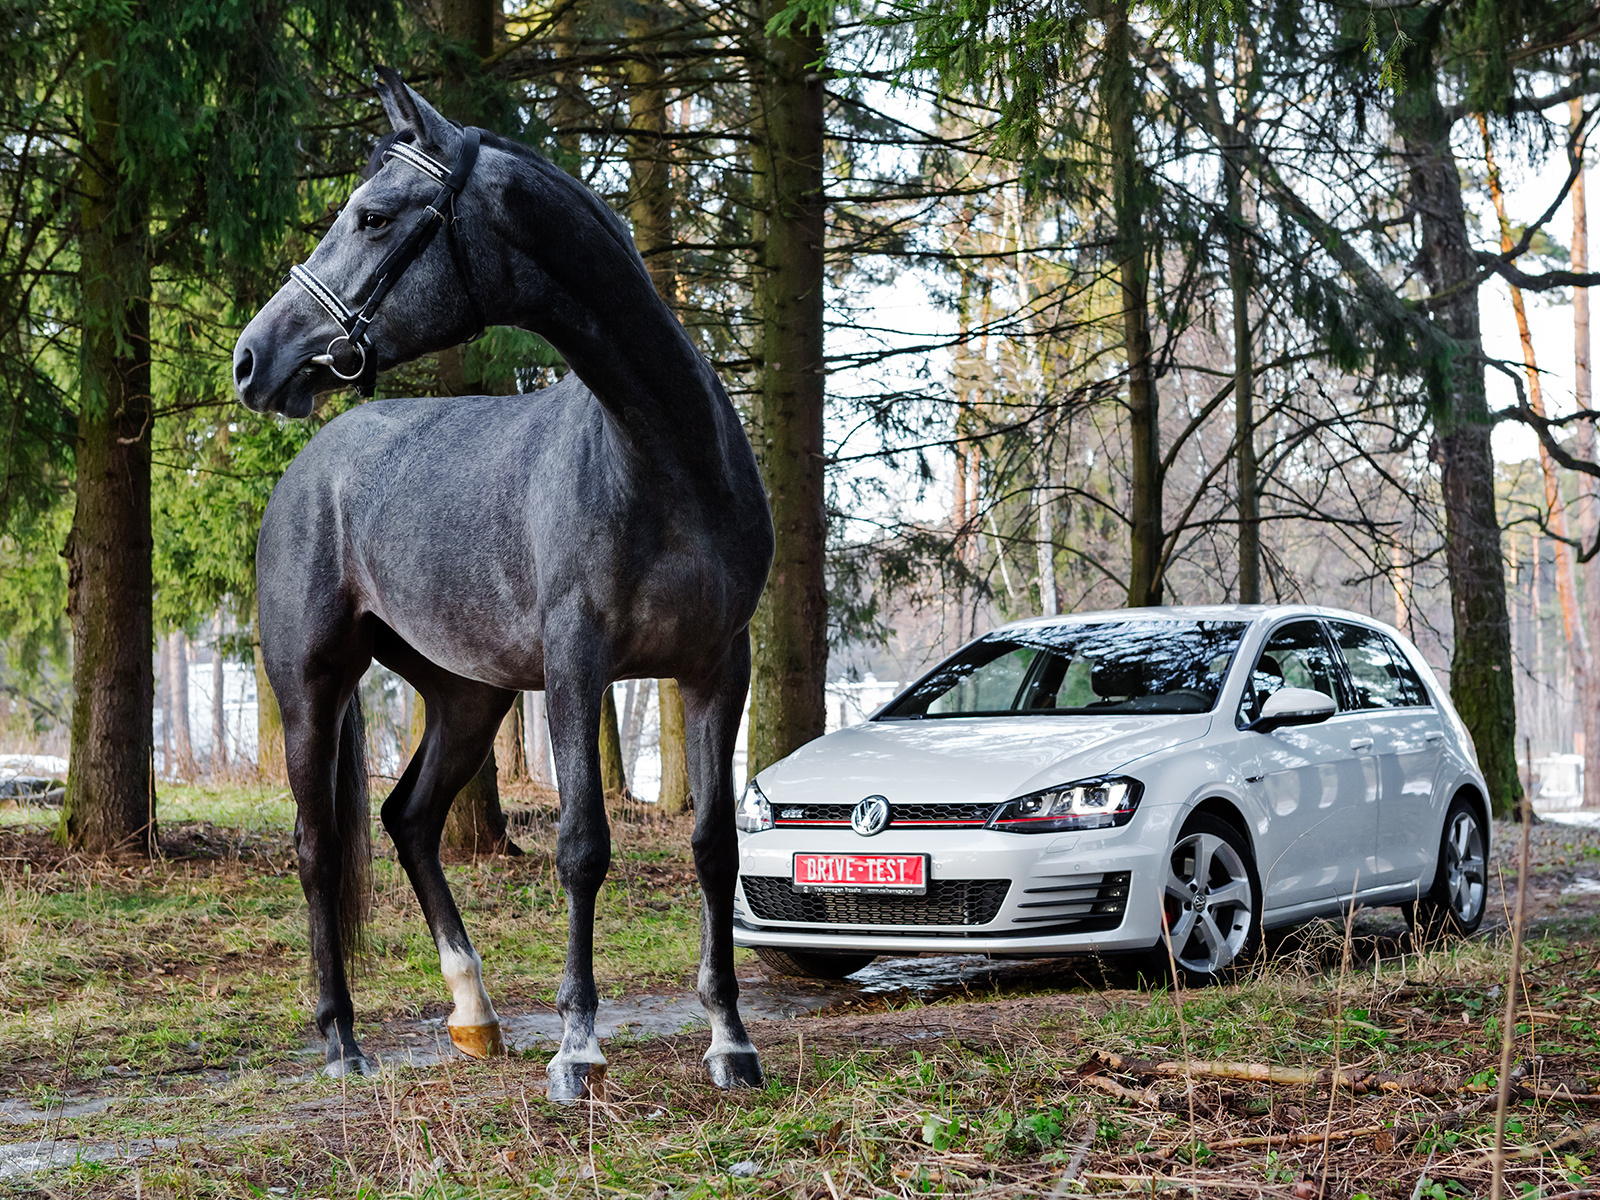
(1133, 666)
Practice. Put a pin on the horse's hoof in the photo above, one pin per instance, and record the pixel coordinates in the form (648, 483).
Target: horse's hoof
(574, 1081)
(478, 1041)
(352, 1064)
(735, 1069)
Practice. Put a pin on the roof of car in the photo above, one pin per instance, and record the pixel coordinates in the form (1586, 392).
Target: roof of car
(1201, 612)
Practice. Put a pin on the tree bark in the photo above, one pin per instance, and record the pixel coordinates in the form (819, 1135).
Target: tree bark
(509, 743)
(178, 658)
(613, 777)
(271, 764)
(650, 210)
(789, 632)
(1566, 584)
(219, 708)
(675, 797)
(1481, 682)
(476, 822)
(1232, 142)
(1588, 500)
(1119, 100)
(110, 800)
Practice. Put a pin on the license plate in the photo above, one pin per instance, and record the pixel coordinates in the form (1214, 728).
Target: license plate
(852, 874)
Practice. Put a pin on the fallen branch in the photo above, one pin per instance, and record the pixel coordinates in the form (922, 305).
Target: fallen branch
(1359, 1082)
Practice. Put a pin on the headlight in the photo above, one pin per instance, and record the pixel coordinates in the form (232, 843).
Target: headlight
(1086, 804)
(755, 811)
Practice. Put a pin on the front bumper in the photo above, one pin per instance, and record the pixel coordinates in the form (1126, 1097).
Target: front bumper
(1061, 893)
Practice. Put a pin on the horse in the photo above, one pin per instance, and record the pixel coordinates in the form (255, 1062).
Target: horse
(612, 526)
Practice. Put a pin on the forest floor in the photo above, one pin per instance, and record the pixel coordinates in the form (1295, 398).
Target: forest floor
(154, 1041)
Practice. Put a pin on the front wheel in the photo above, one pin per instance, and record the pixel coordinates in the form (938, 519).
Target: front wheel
(814, 964)
(1211, 902)
(1455, 903)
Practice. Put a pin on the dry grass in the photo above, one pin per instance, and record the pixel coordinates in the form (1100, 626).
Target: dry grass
(176, 991)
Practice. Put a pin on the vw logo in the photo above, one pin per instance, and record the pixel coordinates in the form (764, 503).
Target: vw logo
(870, 816)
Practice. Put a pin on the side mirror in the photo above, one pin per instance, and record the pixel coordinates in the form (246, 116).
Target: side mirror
(1294, 706)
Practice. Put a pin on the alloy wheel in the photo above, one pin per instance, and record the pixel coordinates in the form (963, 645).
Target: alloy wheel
(1466, 871)
(1208, 903)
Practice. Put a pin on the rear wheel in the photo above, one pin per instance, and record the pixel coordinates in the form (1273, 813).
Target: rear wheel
(814, 964)
(1455, 903)
(1212, 902)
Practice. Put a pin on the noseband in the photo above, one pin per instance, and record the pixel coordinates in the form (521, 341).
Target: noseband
(440, 212)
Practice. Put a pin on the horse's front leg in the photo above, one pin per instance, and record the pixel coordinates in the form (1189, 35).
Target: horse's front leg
(712, 709)
(583, 855)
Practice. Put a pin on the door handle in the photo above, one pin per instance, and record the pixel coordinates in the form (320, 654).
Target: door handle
(1434, 735)
(1361, 743)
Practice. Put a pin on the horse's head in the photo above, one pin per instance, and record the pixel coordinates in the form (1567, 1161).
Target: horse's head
(389, 281)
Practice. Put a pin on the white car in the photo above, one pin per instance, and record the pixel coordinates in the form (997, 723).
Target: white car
(1100, 782)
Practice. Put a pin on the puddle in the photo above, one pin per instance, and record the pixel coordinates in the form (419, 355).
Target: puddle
(1583, 885)
(20, 1112)
(639, 1016)
(31, 1158)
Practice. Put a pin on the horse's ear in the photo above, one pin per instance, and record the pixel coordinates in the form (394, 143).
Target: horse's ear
(408, 111)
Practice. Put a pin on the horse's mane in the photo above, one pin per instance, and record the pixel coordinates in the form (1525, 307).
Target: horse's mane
(552, 174)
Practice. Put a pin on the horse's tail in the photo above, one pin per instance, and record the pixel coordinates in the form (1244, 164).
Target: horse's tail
(353, 820)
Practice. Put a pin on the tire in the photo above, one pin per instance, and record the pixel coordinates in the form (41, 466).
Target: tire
(1455, 904)
(1210, 866)
(814, 964)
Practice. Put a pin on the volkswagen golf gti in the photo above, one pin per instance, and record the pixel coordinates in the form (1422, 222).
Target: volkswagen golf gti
(1123, 781)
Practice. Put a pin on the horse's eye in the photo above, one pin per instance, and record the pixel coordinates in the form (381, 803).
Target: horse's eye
(373, 220)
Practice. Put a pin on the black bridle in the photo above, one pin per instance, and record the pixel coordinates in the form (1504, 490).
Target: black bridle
(363, 372)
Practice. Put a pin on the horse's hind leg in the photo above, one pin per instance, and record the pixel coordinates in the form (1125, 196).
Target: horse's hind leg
(462, 717)
(573, 691)
(323, 743)
(711, 711)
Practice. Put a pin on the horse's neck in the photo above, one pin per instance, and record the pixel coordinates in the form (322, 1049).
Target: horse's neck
(622, 341)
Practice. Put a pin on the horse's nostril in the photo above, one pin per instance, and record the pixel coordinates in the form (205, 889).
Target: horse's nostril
(243, 364)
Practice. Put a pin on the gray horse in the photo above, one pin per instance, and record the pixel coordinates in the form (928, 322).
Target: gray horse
(613, 526)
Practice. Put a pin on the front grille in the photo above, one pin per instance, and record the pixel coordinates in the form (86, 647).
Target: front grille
(1082, 903)
(948, 902)
(958, 815)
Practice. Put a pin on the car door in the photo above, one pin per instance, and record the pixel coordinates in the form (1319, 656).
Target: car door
(1408, 736)
(1318, 783)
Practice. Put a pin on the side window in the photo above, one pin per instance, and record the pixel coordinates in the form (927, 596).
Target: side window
(1380, 673)
(1413, 691)
(1296, 655)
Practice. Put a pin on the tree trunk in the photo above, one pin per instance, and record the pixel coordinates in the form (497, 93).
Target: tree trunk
(178, 658)
(1119, 100)
(110, 801)
(1232, 142)
(650, 210)
(219, 708)
(164, 688)
(1566, 584)
(509, 743)
(271, 765)
(789, 632)
(537, 740)
(1481, 668)
(1588, 501)
(476, 822)
(675, 797)
(613, 778)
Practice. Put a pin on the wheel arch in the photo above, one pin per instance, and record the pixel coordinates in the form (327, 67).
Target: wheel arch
(1226, 811)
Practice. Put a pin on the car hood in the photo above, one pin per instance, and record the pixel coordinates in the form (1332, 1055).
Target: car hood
(970, 759)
